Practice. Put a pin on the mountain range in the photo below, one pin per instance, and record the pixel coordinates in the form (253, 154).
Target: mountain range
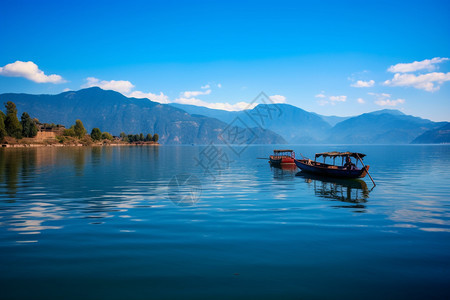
(297, 126)
(188, 124)
(112, 112)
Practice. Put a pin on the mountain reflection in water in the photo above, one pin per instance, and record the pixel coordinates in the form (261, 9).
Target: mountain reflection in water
(352, 191)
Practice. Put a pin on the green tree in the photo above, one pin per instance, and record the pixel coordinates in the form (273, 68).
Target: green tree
(96, 134)
(149, 138)
(79, 129)
(2, 125)
(136, 137)
(11, 108)
(29, 128)
(107, 136)
(69, 132)
(130, 138)
(155, 137)
(12, 124)
(141, 137)
(122, 135)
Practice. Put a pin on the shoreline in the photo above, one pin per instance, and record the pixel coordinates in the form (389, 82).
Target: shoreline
(72, 145)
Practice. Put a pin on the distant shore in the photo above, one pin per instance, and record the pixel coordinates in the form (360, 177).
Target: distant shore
(74, 145)
(9, 142)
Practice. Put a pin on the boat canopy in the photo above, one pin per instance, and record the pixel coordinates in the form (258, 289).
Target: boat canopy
(278, 151)
(335, 154)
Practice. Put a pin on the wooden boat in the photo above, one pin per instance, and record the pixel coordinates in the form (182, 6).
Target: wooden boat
(347, 170)
(282, 158)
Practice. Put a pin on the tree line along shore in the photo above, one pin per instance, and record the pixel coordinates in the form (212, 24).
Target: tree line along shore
(29, 132)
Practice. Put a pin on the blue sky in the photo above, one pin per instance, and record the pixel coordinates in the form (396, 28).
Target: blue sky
(333, 57)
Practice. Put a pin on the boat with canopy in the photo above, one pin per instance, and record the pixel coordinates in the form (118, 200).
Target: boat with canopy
(282, 158)
(344, 170)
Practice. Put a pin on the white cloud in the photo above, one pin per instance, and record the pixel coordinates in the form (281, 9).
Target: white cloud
(383, 99)
(223, 106)
(331, 99)
(66, 90)
(204, 87)
(380, 95)
(161, 98)
(361, 83)
(338, 98)
(30, 71)
(189, 94)
(278, 99)
(219, 85)
(121, 86)
(427, 64)
(361, 101)
(389, 102)
(124, 87)
(429, 82)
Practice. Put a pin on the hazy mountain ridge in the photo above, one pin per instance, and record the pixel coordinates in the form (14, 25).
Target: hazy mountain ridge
(332, 120)
(386, 126)
(222, 115)
(294, 124)
(440, 135)
(380, 127)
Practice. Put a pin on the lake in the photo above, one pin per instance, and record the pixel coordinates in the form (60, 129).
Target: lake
(217, 222)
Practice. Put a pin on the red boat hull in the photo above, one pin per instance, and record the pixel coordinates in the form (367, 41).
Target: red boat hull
(281, 161)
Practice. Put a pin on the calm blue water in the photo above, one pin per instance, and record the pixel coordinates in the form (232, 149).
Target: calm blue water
(178, 222)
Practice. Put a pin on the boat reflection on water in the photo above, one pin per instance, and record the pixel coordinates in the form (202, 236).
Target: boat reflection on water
(352, 191)
(284, 172)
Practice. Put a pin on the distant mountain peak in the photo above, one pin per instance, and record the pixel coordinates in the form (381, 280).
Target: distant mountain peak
(281, 105)
(394, 112)
(93, 88)
(97, 90)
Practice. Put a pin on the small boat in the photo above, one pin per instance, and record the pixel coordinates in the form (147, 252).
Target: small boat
(282, 158)
(347, 170)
